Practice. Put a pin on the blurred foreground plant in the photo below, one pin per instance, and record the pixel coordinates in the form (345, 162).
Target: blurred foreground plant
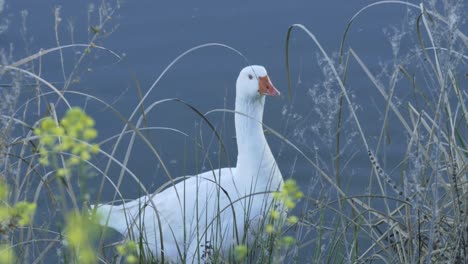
(71, 135)
(128, 250)
(11, 217)
(81, 231)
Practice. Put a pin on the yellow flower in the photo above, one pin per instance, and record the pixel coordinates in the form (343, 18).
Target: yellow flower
(269, 229)
(72, 134)
(3, 190)
(94, 148)
(288, 240)
(59, 131)
(129, 249)
(89, 134)
(274, 214)
(85, 155)
(24, 211)
(48, 140)
(62, 172)
(44, 161)
(7, 255)
(67, 142)
(64, 122)
(43, 152)
(131, 259)
(277, 195)
(4, 214)
(74, 113)
(47, 123)
(289, 185)
(121, 250)
(240, 252)
(77, 148)
(88, 121)
(298, 195)
(287, 196)
(290, 204)
(292, 220)
(132, 246)
(74, 160)
(37, 131)
(80, 232)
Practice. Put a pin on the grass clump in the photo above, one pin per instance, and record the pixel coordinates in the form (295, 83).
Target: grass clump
(272, 244)
(414, 210)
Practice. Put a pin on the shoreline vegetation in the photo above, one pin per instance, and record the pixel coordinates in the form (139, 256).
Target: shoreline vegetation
(415, 212)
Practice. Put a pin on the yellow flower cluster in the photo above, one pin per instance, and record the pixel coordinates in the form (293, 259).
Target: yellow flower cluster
(81, 230)
(288, 196)
(12, 217)
(71, 134)
(129, 251)
(240, 252)
(7, 255)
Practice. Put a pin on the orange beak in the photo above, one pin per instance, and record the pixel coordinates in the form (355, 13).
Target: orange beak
(265, 87)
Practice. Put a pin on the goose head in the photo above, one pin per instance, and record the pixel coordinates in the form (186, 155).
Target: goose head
(253, 83)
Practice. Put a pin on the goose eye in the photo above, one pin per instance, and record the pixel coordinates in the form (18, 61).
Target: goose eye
(250, 76)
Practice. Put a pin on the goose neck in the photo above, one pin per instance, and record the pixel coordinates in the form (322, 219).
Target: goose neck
(251, 142)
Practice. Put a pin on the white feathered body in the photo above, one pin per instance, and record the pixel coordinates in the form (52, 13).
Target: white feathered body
(190, 219)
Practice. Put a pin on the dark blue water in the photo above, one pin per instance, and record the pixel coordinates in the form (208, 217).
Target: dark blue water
(150, 34)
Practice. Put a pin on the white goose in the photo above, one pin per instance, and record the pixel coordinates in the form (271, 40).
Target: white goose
(217, 209)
